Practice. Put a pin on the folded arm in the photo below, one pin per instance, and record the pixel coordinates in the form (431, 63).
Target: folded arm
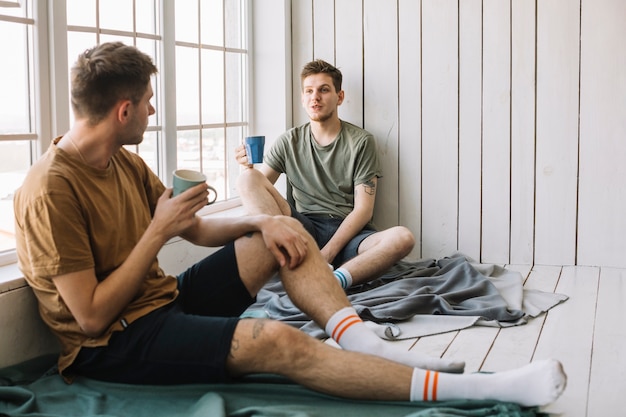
(359, 217)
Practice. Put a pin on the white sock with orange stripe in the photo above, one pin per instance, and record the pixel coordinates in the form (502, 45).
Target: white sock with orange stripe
(536, 384)
(349, 331)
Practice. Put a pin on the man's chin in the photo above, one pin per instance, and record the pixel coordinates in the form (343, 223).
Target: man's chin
(320, 118)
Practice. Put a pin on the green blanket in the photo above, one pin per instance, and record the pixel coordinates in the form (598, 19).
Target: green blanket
(34, 389)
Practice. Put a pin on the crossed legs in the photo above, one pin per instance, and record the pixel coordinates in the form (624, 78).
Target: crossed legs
(376, 254)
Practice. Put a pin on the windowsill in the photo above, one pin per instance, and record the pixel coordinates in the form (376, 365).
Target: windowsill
(11, 278)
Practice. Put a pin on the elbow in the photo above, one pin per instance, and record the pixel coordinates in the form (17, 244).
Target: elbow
(92, 327)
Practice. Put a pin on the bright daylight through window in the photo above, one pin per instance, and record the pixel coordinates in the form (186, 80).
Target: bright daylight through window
(200, 92)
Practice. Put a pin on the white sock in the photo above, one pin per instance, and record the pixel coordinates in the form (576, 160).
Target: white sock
(344, 277)
(349, 331)
(536, 384)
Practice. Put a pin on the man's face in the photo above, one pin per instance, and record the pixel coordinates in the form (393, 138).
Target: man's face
(139, 122)
(319, 97)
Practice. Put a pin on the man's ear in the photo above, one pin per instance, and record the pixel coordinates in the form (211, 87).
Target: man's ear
(341, 95)
(123, 110)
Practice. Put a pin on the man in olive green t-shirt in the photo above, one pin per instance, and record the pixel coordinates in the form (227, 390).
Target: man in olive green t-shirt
(332, 170)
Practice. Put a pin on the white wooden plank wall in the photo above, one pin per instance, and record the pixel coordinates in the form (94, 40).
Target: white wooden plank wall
(501, 124)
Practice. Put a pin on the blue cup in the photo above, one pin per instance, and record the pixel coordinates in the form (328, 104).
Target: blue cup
(254, 149)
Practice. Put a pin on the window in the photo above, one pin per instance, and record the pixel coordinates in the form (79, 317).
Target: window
(200, 92)
(18, 132)
(211, 64)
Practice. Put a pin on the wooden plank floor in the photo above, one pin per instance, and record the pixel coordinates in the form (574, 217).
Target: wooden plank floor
(587, 333)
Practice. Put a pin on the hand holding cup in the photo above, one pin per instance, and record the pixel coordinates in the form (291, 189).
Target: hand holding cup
(186, 178)
(254, 149)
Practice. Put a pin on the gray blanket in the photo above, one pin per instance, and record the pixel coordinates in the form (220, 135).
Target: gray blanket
(425, 297)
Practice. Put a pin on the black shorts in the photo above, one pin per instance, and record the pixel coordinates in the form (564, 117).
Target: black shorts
(323, 226)
(187, 341)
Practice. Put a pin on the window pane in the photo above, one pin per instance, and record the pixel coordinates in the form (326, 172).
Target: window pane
(146, 11)
(188, 150)
(186, 20)
(234, 38)
(234, 87)
(213, 158)
(25, 9)
(212, 26)
(81, 13)
(127, 40)
(14, 163)
(14, 79)
(116, 14)
(187, 86)
(212, 86)
(234, 137)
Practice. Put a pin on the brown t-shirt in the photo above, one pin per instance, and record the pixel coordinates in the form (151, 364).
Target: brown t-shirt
(70, 217)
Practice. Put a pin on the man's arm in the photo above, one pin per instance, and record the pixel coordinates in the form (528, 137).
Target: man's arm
(269, 173)
(286, 243)
(364, 199)
(95, 305)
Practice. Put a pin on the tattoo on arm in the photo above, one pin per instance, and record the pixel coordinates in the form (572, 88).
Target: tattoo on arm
(370, 187)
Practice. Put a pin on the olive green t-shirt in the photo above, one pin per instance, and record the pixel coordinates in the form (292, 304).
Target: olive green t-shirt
(71, 217)
(323, 178)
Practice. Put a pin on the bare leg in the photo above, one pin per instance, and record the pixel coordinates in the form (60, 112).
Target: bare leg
(259, 196)
(266, 346)
(378, 252)
(313, 289)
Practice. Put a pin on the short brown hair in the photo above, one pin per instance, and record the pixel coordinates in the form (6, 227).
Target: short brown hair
(105, 74)
(320, 66)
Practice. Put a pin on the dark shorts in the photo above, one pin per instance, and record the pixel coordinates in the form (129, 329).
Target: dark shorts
(187, 341)
(323, 226)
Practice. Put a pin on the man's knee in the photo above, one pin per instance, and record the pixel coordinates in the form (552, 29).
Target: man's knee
(262, 345)
(249, 177)
(400, 239)
(405, 238)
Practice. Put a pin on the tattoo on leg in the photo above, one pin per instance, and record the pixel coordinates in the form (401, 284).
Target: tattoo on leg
(234, 346)
(258, 328)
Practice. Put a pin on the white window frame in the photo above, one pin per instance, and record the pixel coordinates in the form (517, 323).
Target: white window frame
(52, 90)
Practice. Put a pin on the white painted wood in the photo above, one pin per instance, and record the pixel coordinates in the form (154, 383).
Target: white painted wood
(514, 346)
(498, 167)
(470, 126)
(607, 384)
(380, 34)
(435, 345)
(272, 69)
(301, 52)
(557, 131)
(324, 30)
(439, 127)
(567, 336)
(472, 345)
(349, 57)
(522, 130)
(496, 149)
(602, 202)
(409, 122)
